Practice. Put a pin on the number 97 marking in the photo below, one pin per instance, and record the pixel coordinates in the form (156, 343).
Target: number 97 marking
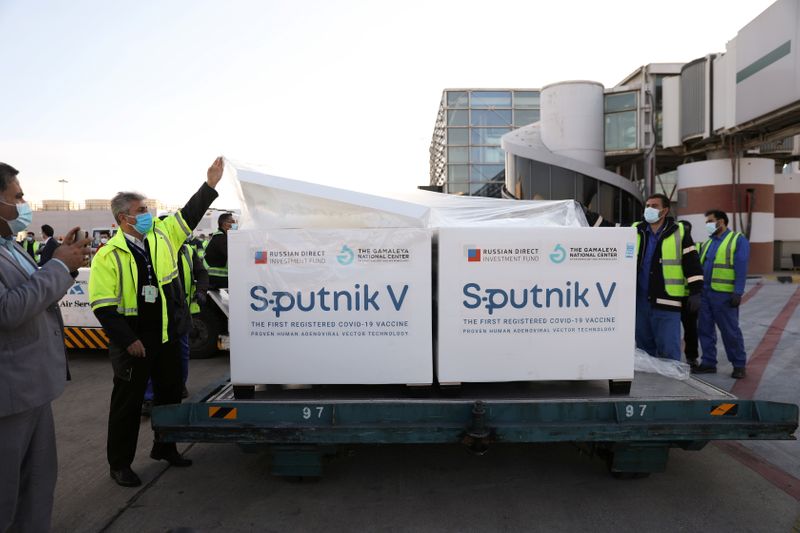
(630, 410)
(308, 412)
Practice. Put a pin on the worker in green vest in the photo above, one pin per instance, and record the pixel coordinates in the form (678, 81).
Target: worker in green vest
(31, 246)
(216, 256)
(199, 244)
(724, 257)
(668, 269)
(136, 293)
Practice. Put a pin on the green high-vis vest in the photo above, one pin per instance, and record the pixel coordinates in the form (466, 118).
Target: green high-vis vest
(114, 277)
(722, 275)
(671, 261)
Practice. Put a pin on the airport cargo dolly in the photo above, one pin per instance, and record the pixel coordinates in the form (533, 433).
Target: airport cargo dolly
(633, 433)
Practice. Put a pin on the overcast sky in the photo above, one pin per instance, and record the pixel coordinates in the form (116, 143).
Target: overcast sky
(142, 95)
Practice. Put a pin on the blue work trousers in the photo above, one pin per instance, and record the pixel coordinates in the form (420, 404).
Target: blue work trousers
(716, 310)
(658, 332)
(184, 347)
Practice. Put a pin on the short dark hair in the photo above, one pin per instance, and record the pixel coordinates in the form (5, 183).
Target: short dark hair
(47, 229)
(719, 215)
(664, 200)
(223, 217)
(7, 175)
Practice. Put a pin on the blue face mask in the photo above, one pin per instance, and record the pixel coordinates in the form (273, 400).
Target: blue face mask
(234, 226)
(144, 221)
(711, 227)
(651, 215)
(23, 220)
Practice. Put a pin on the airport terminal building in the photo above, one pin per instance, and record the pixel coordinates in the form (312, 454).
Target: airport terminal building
(719, 132)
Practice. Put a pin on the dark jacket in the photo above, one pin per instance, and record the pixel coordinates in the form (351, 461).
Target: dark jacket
(692, 271)
(217, 256)
(47, 251)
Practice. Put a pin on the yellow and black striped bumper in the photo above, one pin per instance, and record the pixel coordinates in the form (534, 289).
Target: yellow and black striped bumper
(83, 338)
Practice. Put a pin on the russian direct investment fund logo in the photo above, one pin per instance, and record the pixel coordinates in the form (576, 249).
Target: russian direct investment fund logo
(473, 255)
(346, 255)
(261, 257)
(558, 254)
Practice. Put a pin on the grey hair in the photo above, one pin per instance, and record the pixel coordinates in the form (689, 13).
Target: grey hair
(121, 203)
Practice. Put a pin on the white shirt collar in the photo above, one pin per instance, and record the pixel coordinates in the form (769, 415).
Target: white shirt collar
(134, 240)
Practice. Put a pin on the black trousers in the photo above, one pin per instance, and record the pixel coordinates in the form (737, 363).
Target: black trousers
(163, 363)
(689, 321)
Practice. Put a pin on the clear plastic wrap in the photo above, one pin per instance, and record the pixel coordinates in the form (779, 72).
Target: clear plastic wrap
(274, 202)
(644, 362)
(447, 210)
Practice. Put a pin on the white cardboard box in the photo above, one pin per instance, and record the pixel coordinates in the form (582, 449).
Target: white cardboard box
(536, 304)
(349, 306)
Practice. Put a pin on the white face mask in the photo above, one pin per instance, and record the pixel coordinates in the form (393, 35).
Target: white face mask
(104, 240)
(651, 215)
(24, 217)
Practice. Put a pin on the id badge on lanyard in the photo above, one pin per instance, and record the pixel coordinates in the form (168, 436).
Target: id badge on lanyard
(150, 293)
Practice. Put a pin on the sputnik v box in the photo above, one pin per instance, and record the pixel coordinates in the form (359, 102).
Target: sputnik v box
(349, 306)
(536, 304)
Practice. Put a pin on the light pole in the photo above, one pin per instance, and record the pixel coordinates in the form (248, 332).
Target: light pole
(63, 182)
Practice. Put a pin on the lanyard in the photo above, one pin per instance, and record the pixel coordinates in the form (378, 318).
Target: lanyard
(144, 255)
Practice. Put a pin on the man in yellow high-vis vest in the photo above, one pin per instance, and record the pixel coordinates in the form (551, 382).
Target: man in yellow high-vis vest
(668, 270)
(31, 246)
(136, 293)
(724, 257)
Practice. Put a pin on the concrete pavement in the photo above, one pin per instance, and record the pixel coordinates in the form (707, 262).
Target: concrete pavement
(749, 486)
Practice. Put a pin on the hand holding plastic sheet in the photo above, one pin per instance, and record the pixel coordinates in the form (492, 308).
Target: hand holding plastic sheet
(214, 173)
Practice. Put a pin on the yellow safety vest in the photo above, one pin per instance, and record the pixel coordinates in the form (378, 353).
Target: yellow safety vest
(201, 249)
(36, 251)
(113, 280)
(221, 272)
(722, 275)
(189, 285)
(671, 261)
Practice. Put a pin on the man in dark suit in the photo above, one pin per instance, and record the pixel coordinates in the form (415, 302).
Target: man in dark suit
(49, 245)
(32, 363)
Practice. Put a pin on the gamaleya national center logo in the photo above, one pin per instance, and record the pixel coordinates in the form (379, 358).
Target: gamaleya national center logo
(345, 255)
(558, 254)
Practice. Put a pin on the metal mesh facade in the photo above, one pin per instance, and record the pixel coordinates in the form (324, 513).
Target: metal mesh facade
(465, 153)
